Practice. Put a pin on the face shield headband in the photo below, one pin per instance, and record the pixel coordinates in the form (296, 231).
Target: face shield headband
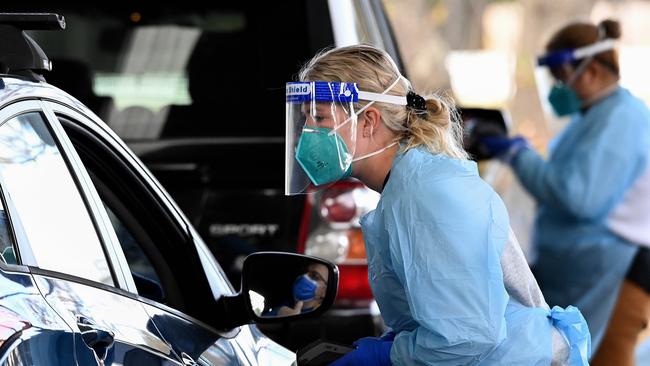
(339, 92)
(569, 56)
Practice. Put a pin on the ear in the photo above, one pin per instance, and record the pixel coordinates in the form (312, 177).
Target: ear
(592, 72)
(584, 84)
(370, 121)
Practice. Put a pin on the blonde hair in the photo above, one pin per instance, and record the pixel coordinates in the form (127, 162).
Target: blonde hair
(438, 128)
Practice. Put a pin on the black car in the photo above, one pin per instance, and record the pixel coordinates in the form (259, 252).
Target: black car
(197, 91)
(98, 265)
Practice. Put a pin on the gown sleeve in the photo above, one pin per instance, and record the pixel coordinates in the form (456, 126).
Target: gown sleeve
(603, 164)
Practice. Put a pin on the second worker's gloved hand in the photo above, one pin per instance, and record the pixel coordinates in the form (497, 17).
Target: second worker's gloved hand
(504, 148)
(370, 351)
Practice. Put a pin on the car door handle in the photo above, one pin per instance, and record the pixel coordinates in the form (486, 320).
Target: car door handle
(98, 339)
(187, 360)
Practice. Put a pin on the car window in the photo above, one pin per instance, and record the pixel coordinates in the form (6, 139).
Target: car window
(144, 273)
(366, 23)
(158, 251)
(51, 211)
(7, 243)
(159, 73)
(127, 192)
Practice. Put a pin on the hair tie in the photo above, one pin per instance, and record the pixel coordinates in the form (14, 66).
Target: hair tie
(416, 102)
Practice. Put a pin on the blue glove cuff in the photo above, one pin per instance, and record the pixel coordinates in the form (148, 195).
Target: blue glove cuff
(370, 352)
(517, 145)
(573, 326)
(503, 148)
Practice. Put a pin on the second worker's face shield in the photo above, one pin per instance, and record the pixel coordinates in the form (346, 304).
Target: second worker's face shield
(321, 126)
(557, 72)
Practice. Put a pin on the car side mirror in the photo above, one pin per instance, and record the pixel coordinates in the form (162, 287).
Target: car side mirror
(277, 287)
(479, 123)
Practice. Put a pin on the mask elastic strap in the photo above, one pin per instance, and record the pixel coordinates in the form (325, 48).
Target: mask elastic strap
(375, 97)
(375, 152)
(579, 70)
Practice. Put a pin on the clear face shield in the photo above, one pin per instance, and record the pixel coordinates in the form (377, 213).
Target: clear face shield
(321, 132)
(555, 75)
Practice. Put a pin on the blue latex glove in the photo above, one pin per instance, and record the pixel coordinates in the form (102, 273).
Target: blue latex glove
(503, 148)
(370, 351)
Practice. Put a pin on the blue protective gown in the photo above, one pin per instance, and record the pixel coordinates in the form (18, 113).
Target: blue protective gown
(591, 165)
(433, 245)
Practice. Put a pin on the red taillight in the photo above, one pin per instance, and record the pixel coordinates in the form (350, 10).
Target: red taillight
(337, 205)
(356, 245)
(353, 285)
(330, 229)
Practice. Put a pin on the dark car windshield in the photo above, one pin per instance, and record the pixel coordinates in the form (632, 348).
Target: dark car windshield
(174, 72)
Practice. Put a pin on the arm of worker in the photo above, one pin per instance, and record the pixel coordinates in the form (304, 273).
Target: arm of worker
(603, 165)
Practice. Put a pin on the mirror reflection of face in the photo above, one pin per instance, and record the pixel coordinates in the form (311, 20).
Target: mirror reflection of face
(317, 272)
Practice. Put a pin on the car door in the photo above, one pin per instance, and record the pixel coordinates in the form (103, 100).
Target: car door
(159, 249)
(30, 330)
(68, 252)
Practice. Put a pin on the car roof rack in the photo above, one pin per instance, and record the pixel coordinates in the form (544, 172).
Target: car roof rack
(19, 53)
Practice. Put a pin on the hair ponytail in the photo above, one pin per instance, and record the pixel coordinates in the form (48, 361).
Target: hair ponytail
(438, 128)
(610, 28)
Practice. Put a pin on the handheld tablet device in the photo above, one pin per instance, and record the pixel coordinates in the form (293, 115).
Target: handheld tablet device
(322, 353)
